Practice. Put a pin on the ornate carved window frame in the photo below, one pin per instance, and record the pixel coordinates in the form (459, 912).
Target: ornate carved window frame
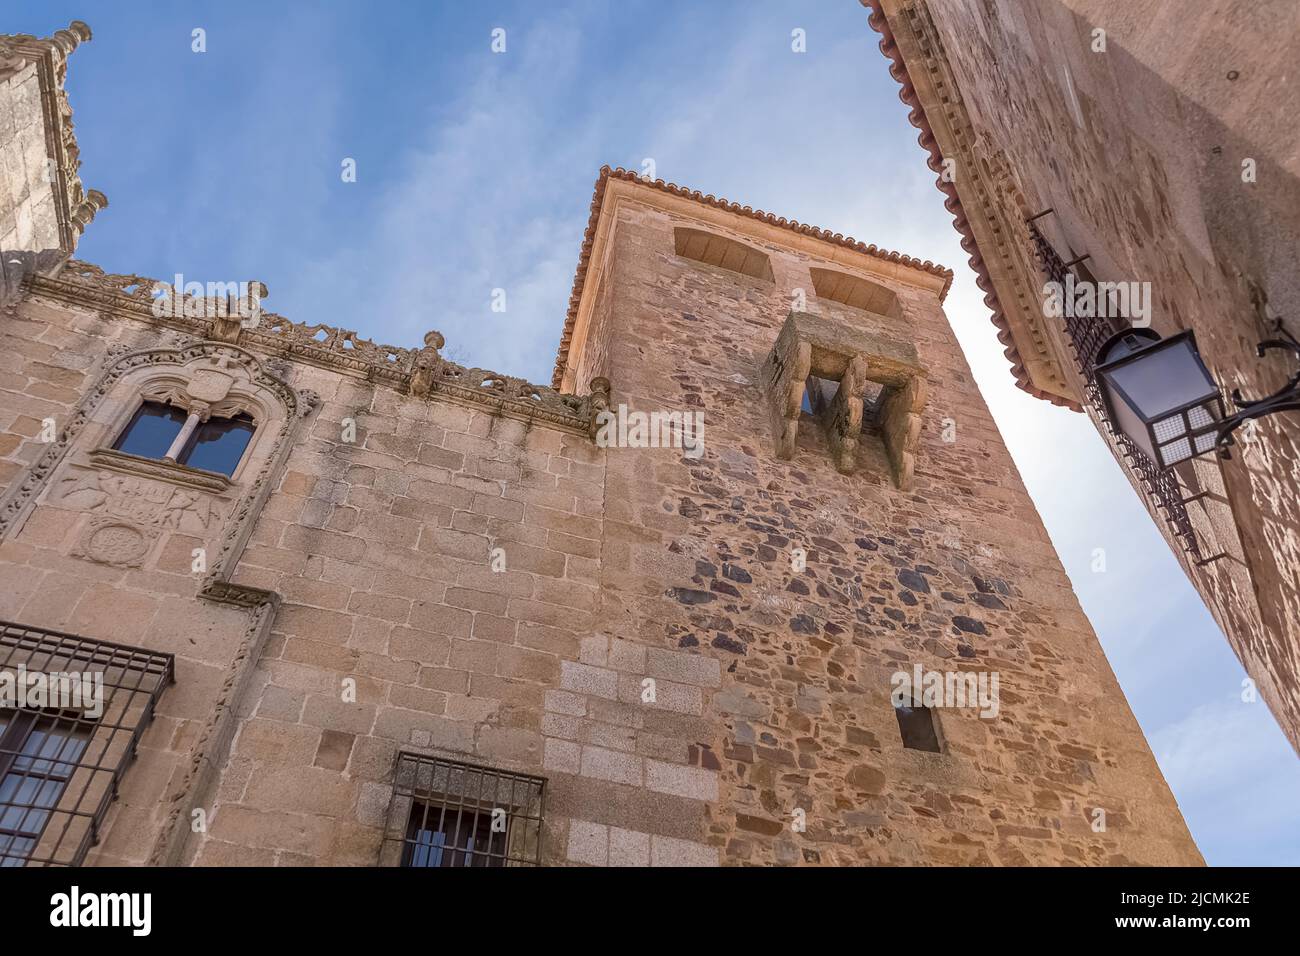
(174, 388)
(83, 444)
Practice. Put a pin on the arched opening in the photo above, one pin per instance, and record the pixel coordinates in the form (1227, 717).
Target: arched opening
(854, 291)
(722, 252)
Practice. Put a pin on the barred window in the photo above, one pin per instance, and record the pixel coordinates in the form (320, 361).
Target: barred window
(446, 813)
(72, 710)
(41, 752)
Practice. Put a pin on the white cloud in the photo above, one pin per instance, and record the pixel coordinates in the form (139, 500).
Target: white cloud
(1236, 782)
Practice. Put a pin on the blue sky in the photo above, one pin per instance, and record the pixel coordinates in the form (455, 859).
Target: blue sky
(475, 171)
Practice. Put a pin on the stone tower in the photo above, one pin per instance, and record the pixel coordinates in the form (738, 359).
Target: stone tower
(45, 206)
(421, 614)
(920, 546)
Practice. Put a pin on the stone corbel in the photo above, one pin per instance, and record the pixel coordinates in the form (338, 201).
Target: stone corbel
(900, 418)
(843, 419)
(785, 372)
(835, 351)
(227, 327)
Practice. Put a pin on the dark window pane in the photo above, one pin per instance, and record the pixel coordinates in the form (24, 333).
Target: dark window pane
(451, 836)
(52, 748)
(916, 724)
(42, 753)
(151, 431)
(218, 444)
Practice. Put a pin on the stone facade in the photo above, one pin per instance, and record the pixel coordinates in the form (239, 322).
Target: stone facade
(693, 648)
(1158, 142)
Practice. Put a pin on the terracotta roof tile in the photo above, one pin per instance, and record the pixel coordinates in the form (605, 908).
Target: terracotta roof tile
(898, 70)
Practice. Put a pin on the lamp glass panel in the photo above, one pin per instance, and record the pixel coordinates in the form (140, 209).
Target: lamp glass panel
(1202, 416)
(1167, 429)
(1175, 451)
(1165, 377)
(1131, 425)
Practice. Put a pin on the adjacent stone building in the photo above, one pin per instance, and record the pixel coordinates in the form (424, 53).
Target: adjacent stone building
(356, 604)
(1139, 141)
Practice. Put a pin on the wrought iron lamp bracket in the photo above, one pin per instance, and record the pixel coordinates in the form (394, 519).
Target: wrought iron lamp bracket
(1285, 399)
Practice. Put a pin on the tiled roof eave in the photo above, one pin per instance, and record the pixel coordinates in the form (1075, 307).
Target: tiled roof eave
(917, 117)
(589, 240)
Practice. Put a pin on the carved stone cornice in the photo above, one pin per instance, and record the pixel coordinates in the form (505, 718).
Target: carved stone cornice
(239, 595)
(422, 372)
(982, 194)
(76, 206)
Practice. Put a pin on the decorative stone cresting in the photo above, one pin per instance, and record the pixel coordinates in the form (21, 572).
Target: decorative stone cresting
(830, 349)
(422, 372)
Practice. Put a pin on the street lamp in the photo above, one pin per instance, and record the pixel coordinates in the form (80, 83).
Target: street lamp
(1159, 393)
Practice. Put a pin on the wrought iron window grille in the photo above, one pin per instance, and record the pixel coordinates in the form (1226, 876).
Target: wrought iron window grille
(60, 765)
(445, 813)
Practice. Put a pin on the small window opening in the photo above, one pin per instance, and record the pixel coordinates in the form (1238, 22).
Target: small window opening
(818, 394)
(917, 725)
(873, 401)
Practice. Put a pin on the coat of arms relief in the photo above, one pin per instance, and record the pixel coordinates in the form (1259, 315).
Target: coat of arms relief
(129, 514)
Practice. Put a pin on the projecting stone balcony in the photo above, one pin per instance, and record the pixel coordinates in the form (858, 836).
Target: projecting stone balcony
(828, 349)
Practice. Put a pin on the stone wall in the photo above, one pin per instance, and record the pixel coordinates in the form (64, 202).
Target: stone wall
(650, 647)
(28, 217)
(53, 357)
(1160, 137)
(956, 574)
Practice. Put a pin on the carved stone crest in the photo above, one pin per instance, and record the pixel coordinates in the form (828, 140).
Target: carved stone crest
(140, 502)
(109, 540)
(209, 385)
